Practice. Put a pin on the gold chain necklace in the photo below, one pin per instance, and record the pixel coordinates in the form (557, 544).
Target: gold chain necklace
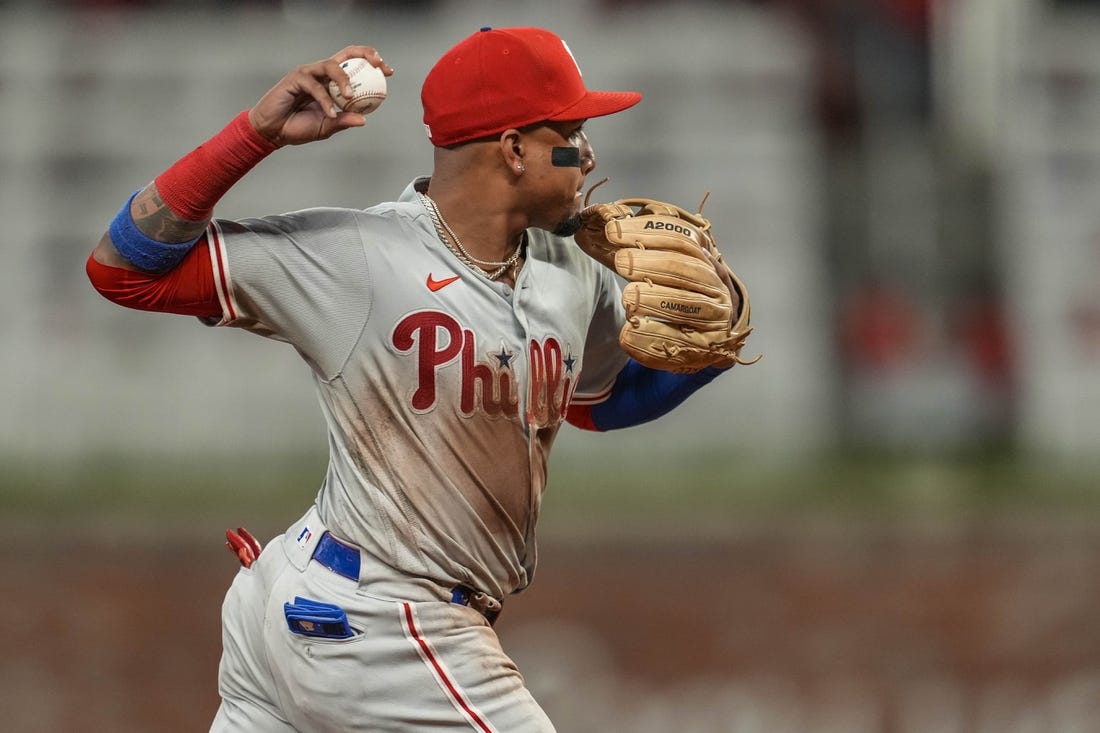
(443, 229)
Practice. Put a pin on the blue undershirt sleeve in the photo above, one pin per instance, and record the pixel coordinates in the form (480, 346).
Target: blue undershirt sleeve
(642, 394)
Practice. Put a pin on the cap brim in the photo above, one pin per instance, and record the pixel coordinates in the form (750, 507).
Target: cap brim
(598, 104)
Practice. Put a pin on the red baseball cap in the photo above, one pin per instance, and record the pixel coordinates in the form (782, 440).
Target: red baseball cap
(509, 77)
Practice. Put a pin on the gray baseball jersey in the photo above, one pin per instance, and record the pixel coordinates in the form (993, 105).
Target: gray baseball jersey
(442, 390)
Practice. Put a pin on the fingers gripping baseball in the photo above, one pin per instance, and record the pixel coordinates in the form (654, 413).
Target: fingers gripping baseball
(299, 109)
(686, 309)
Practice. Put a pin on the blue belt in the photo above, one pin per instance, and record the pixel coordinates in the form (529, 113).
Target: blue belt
(336, 556)
(344, 559)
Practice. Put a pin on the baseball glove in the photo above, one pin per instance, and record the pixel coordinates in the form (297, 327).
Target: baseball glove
(679, 296)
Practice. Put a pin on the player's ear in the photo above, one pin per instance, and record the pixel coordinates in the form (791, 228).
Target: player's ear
(512, 150)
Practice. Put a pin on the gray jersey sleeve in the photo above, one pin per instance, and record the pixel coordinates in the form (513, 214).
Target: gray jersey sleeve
(300, 277)
(603, 357)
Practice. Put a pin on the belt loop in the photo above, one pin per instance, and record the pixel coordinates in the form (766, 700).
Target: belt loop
(302, 537)
(481, 602)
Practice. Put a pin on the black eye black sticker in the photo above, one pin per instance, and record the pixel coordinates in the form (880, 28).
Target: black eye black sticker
(565, 157)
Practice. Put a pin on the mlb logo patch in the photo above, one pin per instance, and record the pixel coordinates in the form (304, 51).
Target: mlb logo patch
(303, 536)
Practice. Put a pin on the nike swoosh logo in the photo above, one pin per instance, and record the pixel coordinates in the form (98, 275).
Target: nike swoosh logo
(435, 285)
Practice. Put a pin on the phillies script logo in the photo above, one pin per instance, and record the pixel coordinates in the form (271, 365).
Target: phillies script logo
(552, 382)
(439, 340)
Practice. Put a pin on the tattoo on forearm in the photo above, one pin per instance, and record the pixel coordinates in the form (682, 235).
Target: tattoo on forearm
(153, 217)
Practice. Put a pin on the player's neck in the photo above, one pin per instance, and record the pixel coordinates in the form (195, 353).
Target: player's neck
(486, 232)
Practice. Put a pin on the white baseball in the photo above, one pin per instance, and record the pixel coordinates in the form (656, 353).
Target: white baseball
(368, 85)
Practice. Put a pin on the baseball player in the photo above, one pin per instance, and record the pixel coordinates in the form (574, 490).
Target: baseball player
(450, 333)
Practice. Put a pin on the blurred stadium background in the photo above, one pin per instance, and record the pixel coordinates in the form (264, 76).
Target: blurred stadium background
(889, 525)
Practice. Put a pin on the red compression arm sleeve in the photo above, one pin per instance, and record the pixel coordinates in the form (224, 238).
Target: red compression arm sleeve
(199, 179)
(187, 289)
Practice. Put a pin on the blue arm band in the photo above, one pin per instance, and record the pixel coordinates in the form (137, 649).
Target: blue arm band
(642, 394)
(145, 253)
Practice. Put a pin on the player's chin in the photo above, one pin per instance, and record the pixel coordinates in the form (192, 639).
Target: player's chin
(569, 226)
